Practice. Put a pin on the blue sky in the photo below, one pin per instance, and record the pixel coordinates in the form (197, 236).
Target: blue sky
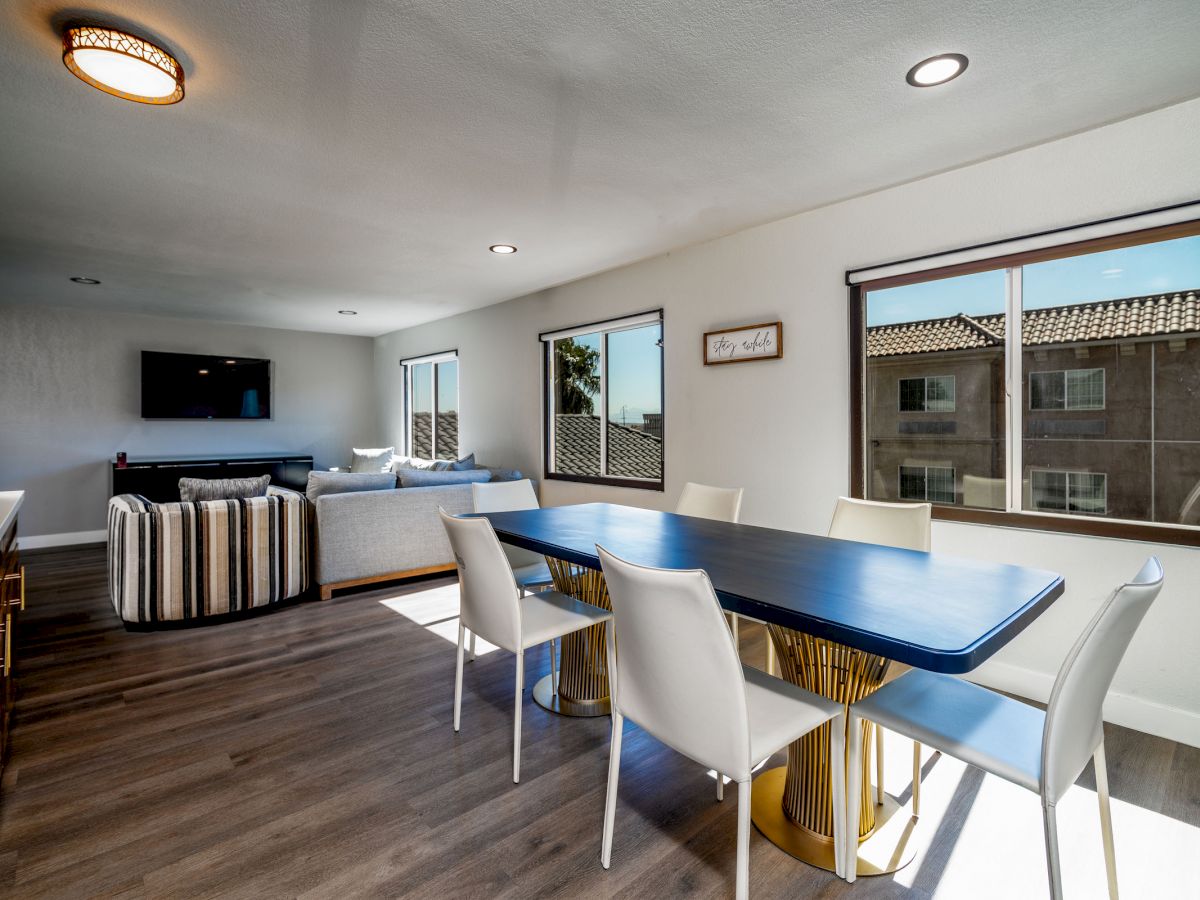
(634, 371)
(1166, 266)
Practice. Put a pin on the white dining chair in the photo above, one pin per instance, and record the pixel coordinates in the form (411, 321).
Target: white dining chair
(492, 606)
(904, 525)
(529, 568)
(720, 504)
(695, 696)
(1041, 751)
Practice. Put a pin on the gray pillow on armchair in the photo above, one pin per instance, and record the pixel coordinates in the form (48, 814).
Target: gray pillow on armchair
(194, 490)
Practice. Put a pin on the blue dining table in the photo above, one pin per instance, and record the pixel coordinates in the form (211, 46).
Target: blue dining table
(838, 613)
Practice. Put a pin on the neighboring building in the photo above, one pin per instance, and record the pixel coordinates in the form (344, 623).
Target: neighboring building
(1110, 401)
(632, 453)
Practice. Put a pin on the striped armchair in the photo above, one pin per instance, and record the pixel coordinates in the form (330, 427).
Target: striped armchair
(170, 562)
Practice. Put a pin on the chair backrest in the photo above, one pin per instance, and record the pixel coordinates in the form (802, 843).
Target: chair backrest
(673, 666)
(903, 525)
(1075, 716)
(707, 502)
(488, 595)
(506, 496)
(503, 496)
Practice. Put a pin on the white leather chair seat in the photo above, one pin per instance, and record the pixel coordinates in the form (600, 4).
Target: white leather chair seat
(988, 730)
(549, 615)
(781, 712)
(533, 575)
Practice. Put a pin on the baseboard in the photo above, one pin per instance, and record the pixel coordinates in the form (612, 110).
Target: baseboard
(1121, 709)
(64, 539)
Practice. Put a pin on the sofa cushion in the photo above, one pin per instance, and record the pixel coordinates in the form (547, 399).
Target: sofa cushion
(413, 478)
(321, 483)
(464, 464)
(377, 460)
(499, 473)
(193, 490)
(400, 463)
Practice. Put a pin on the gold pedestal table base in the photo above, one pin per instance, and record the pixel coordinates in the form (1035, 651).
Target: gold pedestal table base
(793, 806)
(582, 665)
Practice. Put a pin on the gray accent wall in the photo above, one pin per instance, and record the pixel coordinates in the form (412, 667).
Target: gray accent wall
(70, 398)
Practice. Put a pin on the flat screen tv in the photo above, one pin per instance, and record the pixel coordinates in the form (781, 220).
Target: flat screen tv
(187, 386)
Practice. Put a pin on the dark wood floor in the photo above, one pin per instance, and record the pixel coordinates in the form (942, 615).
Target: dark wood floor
(309, 752)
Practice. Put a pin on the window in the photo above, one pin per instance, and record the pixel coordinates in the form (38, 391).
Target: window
(1073, 373)
(933, 393)
(431, 406)
(1072, 389)
(604, 398)
(932, 483)
(1085, 493)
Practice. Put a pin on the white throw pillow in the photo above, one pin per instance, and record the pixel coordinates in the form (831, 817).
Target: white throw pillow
(378, 460)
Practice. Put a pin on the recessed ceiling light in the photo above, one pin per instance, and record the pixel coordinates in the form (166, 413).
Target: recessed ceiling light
(503, 248)
(123, 65)
(936, 70)
(204, 371)
(347, 312)
(231, 362)
(79, 279)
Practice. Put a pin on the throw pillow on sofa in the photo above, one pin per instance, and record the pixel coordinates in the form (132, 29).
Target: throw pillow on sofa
(321, 483)
(463, 465)
(400, 463)
(194, 490)
(410, 478)
(377, 460)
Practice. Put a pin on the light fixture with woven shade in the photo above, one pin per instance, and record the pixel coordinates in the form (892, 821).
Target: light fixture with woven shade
(123, 65)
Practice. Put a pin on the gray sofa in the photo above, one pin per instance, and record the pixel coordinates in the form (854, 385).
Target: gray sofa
(365, 532)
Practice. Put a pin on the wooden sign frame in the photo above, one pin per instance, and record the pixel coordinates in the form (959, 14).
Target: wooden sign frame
(729, 335)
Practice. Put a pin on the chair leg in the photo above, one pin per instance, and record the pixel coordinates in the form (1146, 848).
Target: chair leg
(1106, 829)
(471, 658)
(916, 788)
(553, 668)
(1052, 863)
(879, 764)
(837, 777)
(742, 891)
(854, 789)
(720, 787)
(458, 673)
(517, 717)
(610, 803)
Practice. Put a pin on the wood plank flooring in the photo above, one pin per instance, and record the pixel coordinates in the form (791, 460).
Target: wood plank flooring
(308, 752)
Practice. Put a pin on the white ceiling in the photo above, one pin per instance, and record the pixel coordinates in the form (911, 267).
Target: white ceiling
(363, 154)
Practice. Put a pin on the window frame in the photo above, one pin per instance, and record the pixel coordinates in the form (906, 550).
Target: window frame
(406, 365)
(604, 327)
(953, 482)
(925, 394)
(1015, 516)
(1067, 407)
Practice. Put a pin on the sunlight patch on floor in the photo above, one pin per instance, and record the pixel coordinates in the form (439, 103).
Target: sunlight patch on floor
(998, 851)
(436, 610)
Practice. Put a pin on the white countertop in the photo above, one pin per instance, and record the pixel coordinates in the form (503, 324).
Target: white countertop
(10, 502)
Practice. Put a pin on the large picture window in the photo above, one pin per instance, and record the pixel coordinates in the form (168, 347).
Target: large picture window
(431, 406)
(1059, 386)
(604, 399)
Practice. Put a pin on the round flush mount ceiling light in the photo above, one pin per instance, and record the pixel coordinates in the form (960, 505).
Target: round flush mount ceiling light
(936, 70)
(79, 279)
(347, 312)
(503, 249)
(123, 65)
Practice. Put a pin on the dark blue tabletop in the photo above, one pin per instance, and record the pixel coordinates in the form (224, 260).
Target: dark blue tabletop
(936, 612)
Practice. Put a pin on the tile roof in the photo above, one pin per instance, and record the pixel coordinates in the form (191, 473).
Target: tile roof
(1106, 320)
(422, 437)
(632, 453)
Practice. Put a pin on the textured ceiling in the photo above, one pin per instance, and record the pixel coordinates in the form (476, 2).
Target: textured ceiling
(364, 153)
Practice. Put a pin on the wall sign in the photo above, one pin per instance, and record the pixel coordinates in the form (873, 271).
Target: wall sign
(743, 344)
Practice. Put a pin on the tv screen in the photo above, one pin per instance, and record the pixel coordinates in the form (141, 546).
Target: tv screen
(187, 386)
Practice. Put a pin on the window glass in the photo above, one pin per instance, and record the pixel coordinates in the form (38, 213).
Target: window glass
(421, 410)
(935, 398)
(634, 397)
(577, 405)
(447, 410)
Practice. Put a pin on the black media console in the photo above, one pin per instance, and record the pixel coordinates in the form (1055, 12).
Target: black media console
(158, 479)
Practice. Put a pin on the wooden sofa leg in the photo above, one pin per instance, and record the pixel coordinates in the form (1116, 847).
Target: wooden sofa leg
(327, 592)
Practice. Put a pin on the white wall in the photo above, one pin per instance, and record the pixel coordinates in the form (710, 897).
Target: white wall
(781, 429)
(70, 395)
